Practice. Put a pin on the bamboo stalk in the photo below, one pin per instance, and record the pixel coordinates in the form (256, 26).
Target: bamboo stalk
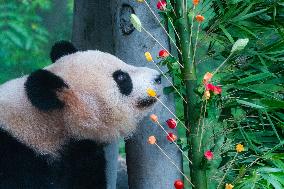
(197, 172)
(200, 117)
(172, 24)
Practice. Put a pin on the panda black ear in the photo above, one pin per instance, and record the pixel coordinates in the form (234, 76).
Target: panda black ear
(60, 49)
(41, 88)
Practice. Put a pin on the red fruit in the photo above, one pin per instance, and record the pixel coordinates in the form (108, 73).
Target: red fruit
(161, 5)
(217, 90)
(210, 87)
(208, 155)
(163, 54)
(179, 184)
(171, 123)
(171, 137)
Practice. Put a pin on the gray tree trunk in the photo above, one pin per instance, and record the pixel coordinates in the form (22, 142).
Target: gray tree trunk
(105, 25)
(56, 20)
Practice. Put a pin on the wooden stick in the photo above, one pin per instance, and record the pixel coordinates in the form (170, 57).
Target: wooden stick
(191, 29)
(174, 28)
(160, 44)
(233, 160)
(173, 114)
(175, 143)
(195, 46)
(202, 128)
(174, 164)
(163, 27)
(170, 82)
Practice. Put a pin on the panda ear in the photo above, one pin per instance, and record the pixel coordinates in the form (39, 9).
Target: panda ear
(42, 87)
(60, 49)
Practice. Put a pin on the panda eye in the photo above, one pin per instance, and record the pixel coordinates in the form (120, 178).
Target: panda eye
(123, 81)
(121, 77)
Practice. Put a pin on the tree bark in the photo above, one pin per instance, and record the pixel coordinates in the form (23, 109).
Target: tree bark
(56, 20)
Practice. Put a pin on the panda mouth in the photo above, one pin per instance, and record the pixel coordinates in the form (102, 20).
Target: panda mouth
(146, 102)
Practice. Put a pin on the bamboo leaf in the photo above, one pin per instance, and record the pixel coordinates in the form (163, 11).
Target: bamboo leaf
(228, 35)
(272, 181)
(249, 15)
(271, 103)
(267, 87)
(273, 127)
(253, 78)
(168, 90)
(249, 104)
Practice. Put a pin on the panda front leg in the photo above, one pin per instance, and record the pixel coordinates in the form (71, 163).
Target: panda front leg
(83, 166)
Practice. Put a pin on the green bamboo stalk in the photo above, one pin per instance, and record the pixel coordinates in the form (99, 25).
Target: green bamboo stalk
(197, 172)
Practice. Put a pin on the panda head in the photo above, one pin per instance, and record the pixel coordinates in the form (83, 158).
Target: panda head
(97, 95)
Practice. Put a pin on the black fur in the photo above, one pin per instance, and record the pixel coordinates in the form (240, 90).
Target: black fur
(20, 168)
(123, 81)
(41, 87)
(82, 166)
(61, 49)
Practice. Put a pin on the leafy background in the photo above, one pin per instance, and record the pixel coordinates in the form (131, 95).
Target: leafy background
(250, 108)
(28, 28)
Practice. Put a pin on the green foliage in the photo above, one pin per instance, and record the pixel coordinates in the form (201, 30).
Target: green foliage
(25, 41)
(250, 108)
(253, 90)
(21, 38)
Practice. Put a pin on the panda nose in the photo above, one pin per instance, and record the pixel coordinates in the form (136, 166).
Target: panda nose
(158, 79)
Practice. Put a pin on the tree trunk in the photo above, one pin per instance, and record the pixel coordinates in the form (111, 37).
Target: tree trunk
(92, 25)
(56, 20)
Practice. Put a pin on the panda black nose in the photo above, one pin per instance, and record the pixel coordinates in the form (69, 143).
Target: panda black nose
(158, 79)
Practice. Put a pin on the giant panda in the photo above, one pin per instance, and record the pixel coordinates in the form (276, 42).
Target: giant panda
(55, 122)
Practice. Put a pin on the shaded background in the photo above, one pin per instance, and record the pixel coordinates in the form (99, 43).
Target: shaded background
(27, 31)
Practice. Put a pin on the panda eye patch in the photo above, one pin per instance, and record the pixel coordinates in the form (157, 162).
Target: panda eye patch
(123, 81)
